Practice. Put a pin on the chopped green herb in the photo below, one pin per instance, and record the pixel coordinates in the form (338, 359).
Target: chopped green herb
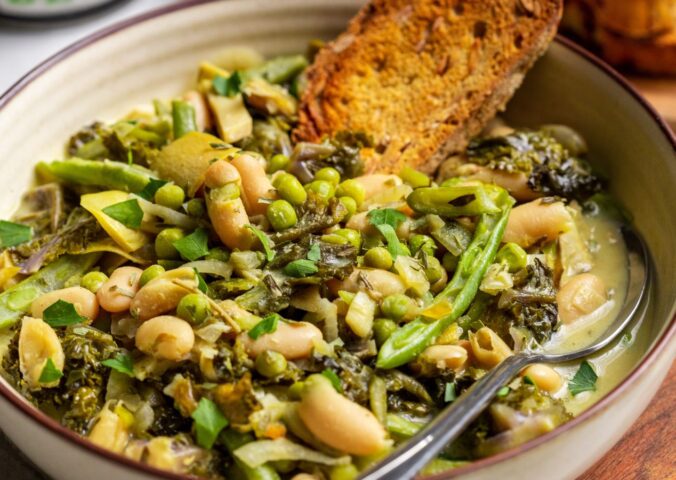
(229, 86)
(267, 325)
(201, 283)
(394, 246)
(527, 380)
(300, 268)
(314, 254)
(265, 241)
(122, 362)
(193, 246)
(449, 392)
(209, 421)
(62, 314)
(151, 188)
(503, 392)
(128, 213)
(334, 379)
(386, 216)
(12, 234)
(50, 373)
(584, 379)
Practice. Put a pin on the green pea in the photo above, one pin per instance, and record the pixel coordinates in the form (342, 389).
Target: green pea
(195, 208)
(281, 215)
(514, 256)
(278, 162)
(150, 273)
(378, 257)
(434, 270)
(395, 306)
(170, 195)
(93, 281)
(218, 253)
(419, 242)
(193, 308)
(323, 189)
(414, 178)
(449, 261)
(164, 243)
(352, 188)
(353, 237)
(328, 174)
(344, 472)
(350, 205)
(290, 189)
(270, 363)
(382, 329)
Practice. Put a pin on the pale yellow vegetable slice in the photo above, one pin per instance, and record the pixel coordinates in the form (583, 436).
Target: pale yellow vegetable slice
(232, 118)
(127, 238)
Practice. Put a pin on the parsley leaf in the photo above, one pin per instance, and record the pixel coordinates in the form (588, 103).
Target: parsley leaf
(584, 379)
(386, 216)
(394, 246)
(314, 254)
(209, 421)
(201, 283)
(300, 268)
(267, 325)
(62, 314)
(265, 241)
(449, 392)
(122, 362)
(151, 188)
(193, 246)
(229, 86)
(334, 378)
(50, 373)
(12, 234)
(128, 213)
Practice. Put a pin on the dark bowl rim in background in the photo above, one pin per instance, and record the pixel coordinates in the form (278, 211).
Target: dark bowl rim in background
(36, 415)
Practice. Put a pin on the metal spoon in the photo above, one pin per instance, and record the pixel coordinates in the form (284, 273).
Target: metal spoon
(405, 462)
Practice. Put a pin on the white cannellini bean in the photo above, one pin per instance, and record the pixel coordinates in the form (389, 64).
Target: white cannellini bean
(38, 343)
(116, 294)
(293, 340)
(537, 220)
(166, 338)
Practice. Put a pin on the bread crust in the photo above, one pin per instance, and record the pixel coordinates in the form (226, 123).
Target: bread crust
(423, 77)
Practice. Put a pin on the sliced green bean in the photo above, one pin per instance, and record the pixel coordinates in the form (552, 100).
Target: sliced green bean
(457, 200)
(17, 300)
(107, 174)
(183, 116)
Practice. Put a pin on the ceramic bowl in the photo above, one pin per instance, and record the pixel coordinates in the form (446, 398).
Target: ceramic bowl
(155, 55)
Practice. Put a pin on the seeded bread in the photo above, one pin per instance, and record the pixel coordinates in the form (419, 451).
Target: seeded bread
(423, 77)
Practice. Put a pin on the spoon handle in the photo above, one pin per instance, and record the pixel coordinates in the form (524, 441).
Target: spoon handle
(410, 458)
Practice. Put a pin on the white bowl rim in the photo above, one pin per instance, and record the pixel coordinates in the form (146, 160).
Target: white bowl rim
(650, 357)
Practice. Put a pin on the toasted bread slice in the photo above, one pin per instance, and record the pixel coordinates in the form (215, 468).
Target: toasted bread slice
(423, 77)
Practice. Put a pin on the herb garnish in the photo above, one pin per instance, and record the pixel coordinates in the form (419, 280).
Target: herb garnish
(267, 325)
(300, 268)
(62, 314)
(334, 379)
(12, 234)
(386, 220)
(315, 253)
(193, 246)
(209, 421)
(50, 373)
(122, 362)
(228, 86)
(265, 241)
(584, 379)
(128, 213)
(151, 189)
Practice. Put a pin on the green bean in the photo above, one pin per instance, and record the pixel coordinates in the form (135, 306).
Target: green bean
(183, 116)
(440, 200)
(400, 426)
(107, 174)
(17, 300)
(409, 341)
(378, 398)
(280, 69)
(232, 441)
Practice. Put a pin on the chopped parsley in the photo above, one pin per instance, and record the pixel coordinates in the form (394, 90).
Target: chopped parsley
(300, 268)
(314, 254)
(584, 379)
(151, 188)
(209, 421)
(265, 241)
(267, 325)
(12, 234)
(122, 362)
(228, 86)
(128, 213)
(193, 246)
(50, 373)
(386, 220)
(62, 314)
